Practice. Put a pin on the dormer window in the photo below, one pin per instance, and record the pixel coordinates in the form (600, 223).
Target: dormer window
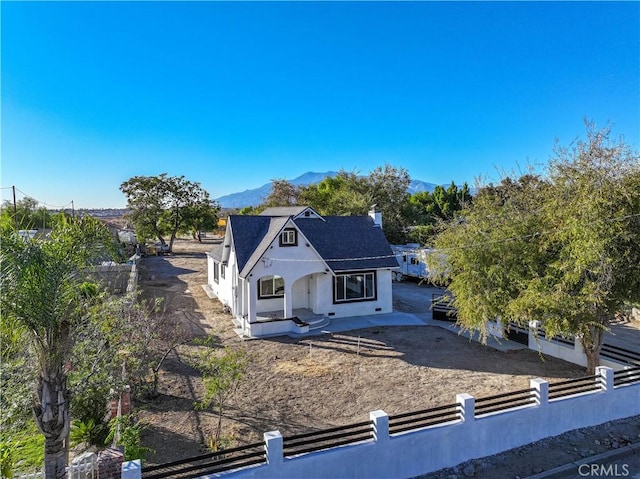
(289, 237)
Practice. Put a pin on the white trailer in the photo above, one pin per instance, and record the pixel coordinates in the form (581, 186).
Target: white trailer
(412, 260)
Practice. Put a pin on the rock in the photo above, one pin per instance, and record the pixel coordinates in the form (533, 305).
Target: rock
(584, 454)
(597, 442)
(469, 470)
(615, 444)
(537, 469)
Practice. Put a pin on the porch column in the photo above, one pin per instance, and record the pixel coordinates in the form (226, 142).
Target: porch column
(251, 300)
(288, 300)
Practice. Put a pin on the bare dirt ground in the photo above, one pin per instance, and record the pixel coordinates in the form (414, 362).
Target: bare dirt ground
(296, 385)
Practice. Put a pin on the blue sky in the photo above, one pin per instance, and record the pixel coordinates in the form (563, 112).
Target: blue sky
(234, 94)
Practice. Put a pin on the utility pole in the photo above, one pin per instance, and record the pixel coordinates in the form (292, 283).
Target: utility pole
(15, 208)
(73, 210)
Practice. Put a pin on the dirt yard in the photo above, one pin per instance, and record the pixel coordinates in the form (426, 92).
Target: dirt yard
(297, 385)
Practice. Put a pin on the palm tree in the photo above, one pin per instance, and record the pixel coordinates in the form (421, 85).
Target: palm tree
(41, 287)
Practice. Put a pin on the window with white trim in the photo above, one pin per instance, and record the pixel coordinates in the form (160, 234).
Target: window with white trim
(288, 237)
(270, 287)
(216, 272)
(354, 287)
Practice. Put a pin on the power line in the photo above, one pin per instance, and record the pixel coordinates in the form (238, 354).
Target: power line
(444, 250)
(44, 203)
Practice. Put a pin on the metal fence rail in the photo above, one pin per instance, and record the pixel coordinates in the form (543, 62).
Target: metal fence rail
(626, 376)
(575, 386)
(210, 463)
(500, 402)
(442, 307)
(327, 438)
(620, 354)
(570, 341)
(426, 417)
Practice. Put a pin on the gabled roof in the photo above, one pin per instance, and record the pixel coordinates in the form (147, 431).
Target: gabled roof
(276, 224)
(251, 237)
(283, 211)
(292, 212)
(348, 243)
(345, 243)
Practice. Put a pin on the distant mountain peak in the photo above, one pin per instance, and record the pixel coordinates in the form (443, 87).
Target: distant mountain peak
(255, 196)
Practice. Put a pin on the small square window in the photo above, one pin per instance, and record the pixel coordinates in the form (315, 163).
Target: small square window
(289, 238)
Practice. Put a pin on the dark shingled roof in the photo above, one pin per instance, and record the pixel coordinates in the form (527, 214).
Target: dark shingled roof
(248, 232)
(345, 243)
(348, 242)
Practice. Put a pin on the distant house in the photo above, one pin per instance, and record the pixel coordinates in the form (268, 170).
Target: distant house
(290, 270)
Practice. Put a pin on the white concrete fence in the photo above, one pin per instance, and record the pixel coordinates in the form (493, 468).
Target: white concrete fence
(569, 349)
(407, 445)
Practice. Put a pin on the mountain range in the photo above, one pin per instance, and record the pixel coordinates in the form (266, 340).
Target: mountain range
(255, 196)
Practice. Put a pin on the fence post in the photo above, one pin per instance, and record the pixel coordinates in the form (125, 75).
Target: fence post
(273, 446)
(110, 463)
(606, 378)
(532, 342)
(380, 420)
(131, 469)
(541, 393)
(468, 408)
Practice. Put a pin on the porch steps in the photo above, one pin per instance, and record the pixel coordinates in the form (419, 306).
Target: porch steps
(318, 323)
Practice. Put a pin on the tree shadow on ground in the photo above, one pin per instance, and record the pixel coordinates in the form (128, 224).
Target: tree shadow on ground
(435, 347)
(182, 446)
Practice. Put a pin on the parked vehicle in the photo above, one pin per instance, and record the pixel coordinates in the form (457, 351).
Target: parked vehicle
(162, 248)
(412, 259)
(157, 248)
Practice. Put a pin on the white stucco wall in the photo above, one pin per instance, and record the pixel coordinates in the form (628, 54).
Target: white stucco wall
(223, 288)
(324, 302)
(572, 353)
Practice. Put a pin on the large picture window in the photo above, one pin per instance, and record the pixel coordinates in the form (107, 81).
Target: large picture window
(355, 287)
(270, 287)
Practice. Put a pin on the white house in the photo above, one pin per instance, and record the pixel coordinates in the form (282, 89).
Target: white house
(290, 269)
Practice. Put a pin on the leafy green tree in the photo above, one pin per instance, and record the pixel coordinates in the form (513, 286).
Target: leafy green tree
(283, 193)
(345, 194)
(388, 188)
(222, 370)
(427, 211)
(27, 214)
(165, 205)
(350, 194)
(41, 290)
(126, 431)
(563, 249)
(247, 210)
(199, 217)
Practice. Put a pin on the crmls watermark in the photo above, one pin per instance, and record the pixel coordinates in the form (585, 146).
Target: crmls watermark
(602, 470)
